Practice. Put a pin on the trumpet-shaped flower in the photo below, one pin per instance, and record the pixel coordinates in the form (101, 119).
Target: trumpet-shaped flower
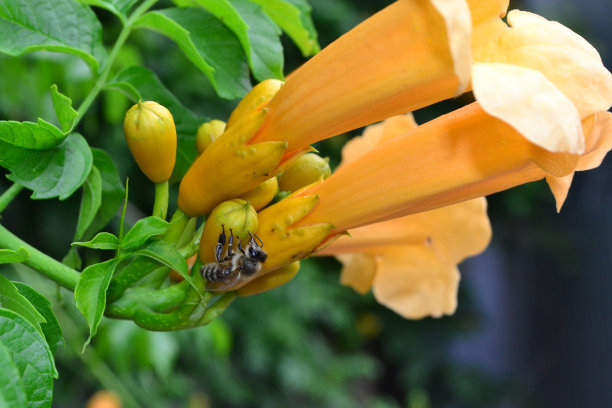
(541, 91)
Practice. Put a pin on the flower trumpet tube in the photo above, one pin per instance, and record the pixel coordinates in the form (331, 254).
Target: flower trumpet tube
(456, 157)
(396, 61)
(230, 166)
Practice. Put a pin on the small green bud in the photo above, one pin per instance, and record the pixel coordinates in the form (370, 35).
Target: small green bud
(307, 169)
(235, 215)
(208, 132)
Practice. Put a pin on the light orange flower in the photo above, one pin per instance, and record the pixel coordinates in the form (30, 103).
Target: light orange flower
(410, 262)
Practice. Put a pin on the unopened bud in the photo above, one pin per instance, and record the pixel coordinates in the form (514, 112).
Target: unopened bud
(307, 169)
(236, 217)
(208, 132)
(257, 97)
(151, 136)
(261, 195)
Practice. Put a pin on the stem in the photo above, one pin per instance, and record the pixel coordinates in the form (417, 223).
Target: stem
(9, 195)
(160, 207)
(101, 81)
(42, 263)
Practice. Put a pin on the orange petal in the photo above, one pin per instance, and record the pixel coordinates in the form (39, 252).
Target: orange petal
(414, 283)
(598, 132)
(462, 155)
(394, 62)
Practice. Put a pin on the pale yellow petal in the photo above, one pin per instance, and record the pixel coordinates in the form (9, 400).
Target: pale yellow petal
(531, 104)
(564, 57)
(414, 283)
(358, 271)
(374, 135)
(457, 18)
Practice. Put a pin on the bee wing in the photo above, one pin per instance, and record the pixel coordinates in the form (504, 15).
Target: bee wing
(230, 280)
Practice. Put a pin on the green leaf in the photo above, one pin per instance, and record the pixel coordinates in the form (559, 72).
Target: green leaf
(63, 109)
(187, 122)
(112, 192)
(165, 253)
(227, 14)
(31, 356)
(12, 392)
(266, 53)
(144, 229)
(11, 299)
(29, 135)
(55, 172)
(90, 201)
(119, 8)
(10, 256)
(125, 88)
(90, 293)
(58, 25)
(293, 16)
(208, 44)
(51, 328)
(104, 240)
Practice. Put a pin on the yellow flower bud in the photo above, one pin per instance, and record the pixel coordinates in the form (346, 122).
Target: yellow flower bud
(306, 169)
(235, 215)
(261, 195)
(271, 280)
(208, 132)
(151, 136)
(257, 97)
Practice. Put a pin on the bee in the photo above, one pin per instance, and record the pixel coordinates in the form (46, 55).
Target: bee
(233, 266)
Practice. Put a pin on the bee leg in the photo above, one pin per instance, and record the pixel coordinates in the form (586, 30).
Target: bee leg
(230, 245)
(220, 244)
(253, 242)
(240, 247)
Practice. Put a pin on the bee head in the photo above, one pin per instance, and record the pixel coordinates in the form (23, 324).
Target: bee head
(256, 253)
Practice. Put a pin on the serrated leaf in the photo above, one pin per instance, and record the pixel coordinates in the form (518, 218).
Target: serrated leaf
(165, 253)
(202, 37)
(12, 393)
(63, 109)
(104, 240)
(90, 201)
(58, 25)
(266, 53)
(51, 328)
(11, 299)
(187, 122)
(112, 192)
(31, 356)
(55, 172)
(10, 256)
(90, 293)
(119, 8)
(29, 135)
(293, 17)
(143, 230)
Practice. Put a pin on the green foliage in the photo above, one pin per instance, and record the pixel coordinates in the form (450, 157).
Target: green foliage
(55, 172)
(41, 25)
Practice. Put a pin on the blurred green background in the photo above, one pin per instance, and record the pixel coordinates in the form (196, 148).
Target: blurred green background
(533, 324)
